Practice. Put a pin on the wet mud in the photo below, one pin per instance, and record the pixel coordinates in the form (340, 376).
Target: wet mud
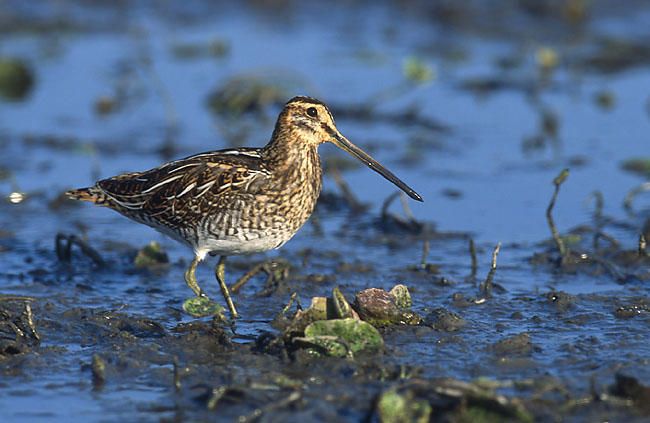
(517, 292)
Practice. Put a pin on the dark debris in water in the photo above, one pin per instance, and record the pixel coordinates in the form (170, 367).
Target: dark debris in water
(16, 79)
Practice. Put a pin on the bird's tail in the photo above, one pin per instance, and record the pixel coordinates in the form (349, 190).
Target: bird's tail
(91, 194)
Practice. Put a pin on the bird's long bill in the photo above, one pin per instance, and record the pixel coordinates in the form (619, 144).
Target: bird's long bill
(347, 146)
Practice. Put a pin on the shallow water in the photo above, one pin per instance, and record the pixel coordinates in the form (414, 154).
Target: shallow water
(476, 177)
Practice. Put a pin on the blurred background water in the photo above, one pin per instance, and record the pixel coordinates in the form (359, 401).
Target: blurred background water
(477, 105)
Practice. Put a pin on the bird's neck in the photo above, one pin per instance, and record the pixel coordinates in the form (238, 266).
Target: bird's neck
(293, 159)
(287, 150)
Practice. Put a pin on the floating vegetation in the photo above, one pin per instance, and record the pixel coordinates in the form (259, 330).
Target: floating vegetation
(617, 54)
(16, 79)
(151, 257)
(214, 48)
(640, 166)
(416, 70)
(242, 95)
(605, 99)
(547, 58)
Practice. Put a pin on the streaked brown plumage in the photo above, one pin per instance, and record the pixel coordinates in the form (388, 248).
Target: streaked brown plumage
(235, 201)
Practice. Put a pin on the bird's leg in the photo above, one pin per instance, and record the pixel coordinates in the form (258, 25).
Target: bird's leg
(190, 278)
(219, 272)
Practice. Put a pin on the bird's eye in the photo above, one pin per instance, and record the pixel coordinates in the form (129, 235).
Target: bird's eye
(312, 112)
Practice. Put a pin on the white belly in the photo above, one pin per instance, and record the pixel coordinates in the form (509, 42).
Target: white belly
(230, 247)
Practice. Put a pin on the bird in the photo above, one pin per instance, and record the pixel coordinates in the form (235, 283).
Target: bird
(235, 201)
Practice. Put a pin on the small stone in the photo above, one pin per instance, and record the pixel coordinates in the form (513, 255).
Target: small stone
(444, 320)
(514, 345)
(380, 308)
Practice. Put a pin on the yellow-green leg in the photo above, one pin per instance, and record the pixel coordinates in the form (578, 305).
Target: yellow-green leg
(190, 278)
(200, 305)
(220, 272)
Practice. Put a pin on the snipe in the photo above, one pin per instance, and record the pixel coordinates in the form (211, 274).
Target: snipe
(235, 201)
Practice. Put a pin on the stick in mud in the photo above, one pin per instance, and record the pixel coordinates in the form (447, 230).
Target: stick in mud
(98, 369)
(598, 216)
(557, 181)
(349, 197)
(472, 253)
(30, 320)
(63, 245)
(7, 297)
(215, 397)
(642, 246)
(630, 196)
(425, 253)
(234, 288)
(276, 405)
(486, 287)
(177, 375)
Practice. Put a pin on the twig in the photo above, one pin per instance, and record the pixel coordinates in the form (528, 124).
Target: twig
(611, 239)
(642, 246)
(292, 299)
(349, 197)
(5, 297)
(489, 281)
(63, 245)
(98, 368)
(30, 321)
(598, 216)
(611, 268)
(406, 207)
(177, 375)
(247, 276)
(410, 223)
(387, 202)
(559, 179)
(472, 253)
(271, 268)
(258, 412)
(630, 196)
(215, 397)
(425, 253)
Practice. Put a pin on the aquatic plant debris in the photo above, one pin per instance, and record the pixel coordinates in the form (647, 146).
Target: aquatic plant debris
(202, 307)
(557, 182)
(151, 256)
(395, 407)
(340, 338)
(16, 79)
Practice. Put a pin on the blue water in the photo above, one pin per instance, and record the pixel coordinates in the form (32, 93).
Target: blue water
(341, 59)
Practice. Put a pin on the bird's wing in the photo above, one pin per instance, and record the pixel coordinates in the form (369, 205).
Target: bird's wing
(177, 190)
